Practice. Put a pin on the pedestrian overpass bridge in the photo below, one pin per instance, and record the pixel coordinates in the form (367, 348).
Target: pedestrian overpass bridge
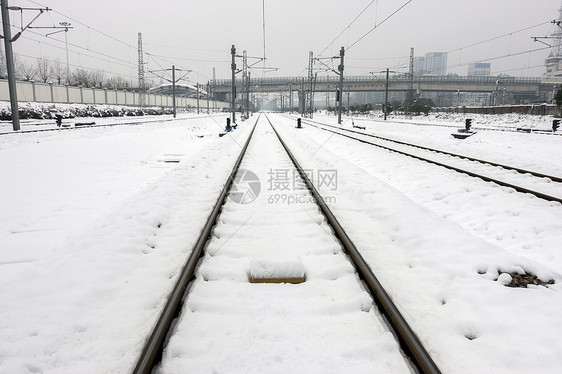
(520, 88)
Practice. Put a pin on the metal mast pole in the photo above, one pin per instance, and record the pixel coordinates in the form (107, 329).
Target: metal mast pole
(348, 95)
(208, 90)
(302, 99)
(233, 67)
(214, 90)
(141, 72)
(245, 84)
(340, 69)
(290, 99)
(10, 65)
(310, 78)
(312, 97)
(197, 98)
(386, 96)
(248, 96)
(67, 64)
(410, 96)
(174, 89)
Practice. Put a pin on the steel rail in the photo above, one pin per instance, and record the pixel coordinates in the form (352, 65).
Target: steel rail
(459, 170)
(410, 343)
(508, 167)
(130, 123)
(500, 129)
(152, 351)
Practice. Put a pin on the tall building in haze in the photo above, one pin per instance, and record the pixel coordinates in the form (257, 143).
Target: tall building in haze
(479, 69)
(554, 60)
(433, 63)
(436, 63)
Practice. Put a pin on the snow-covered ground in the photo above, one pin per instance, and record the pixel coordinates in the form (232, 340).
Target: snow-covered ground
(324, 325)
(95, 225)
(439, 241)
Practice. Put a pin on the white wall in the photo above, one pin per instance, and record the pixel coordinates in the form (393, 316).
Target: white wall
(53, 93)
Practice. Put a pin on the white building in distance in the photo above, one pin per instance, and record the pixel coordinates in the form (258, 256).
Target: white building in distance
(433, 63)
(479, 69)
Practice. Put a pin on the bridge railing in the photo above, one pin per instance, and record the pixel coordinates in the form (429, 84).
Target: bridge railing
(297, 81)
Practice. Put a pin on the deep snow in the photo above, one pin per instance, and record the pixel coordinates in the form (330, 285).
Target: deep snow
(94, 227)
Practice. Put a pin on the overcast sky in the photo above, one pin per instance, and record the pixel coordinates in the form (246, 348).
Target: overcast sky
(198, 35)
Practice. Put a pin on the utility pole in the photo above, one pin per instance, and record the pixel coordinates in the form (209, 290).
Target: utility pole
(208, 94)
(197, 98)
(244, 82)
(66, 26)
(308, 102)
(386, 95)
(410, 96)
(340, 69)
(290, 99)
(233, 67)
(141, 72)
(174, 89)
(348, 95)
(10, 65)
(173, 81)
(302, 99)
(248, 96)
(214, 90)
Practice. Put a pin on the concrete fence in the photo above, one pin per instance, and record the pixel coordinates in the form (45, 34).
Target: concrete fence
(54, 93)
(540, 110)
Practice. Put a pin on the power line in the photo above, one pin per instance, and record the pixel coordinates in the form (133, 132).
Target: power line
(498, 37)
(500, 57)
(191, 59)
(347, 27)
(72, 65)
(184, 48)
(83, 24)
(383, 21)
(106, 56)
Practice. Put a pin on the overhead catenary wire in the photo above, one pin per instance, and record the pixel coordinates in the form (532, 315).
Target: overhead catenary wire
(347, 27)
(378, 25)
(500, 57)
(498, 37)
(72, 65)
(105, 55)
(83, 24)
(368, 32)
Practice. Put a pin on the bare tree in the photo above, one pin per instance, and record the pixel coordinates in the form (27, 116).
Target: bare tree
(59, 71)
(117, 83)
(3, 69)
(44, 70)
(81, 77)
(97, 78)
(25, 71)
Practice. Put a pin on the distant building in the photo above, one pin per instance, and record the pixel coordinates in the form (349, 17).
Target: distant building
(436, 63)
(553, 62)
(433, 63)
(479, 69)
(419, 65)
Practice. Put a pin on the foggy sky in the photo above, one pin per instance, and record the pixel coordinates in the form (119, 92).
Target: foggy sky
(197, 35)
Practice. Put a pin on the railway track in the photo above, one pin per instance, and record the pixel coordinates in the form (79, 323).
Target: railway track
(309, 323)
(488, 128)
(543, 186)
(124, 123)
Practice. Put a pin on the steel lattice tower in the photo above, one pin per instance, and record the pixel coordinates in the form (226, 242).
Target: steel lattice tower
(309, 91)
(141, 72)
(557, 37)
